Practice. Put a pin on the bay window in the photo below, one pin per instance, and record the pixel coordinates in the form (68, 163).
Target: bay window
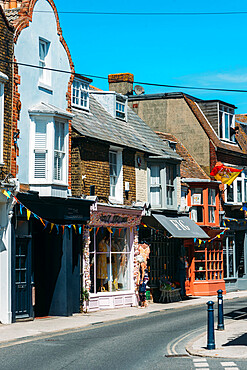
(197, 205)
(162, 185)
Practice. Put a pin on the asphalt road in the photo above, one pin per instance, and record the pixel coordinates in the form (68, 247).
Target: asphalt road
(153, 341)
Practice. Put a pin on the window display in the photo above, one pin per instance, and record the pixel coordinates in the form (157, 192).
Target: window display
(109, 259)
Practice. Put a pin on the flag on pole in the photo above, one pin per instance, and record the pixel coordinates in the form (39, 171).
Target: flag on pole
(225, 174)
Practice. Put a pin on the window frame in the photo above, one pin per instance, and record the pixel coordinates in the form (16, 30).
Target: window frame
(83, 93)
(50, 122)
(226, 256)
(223, 112)
(118, 198)
(45, 74)
(196, 206)
(242, 178)
(162, 184)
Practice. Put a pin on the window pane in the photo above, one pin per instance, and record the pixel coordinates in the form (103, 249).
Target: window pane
(155, 195)
(211, 196)
(226, 126)
(197, 214)
(239, 191)
(40, 165)
(230, 193)
(211, 214)
(196, 196)
(155, 175)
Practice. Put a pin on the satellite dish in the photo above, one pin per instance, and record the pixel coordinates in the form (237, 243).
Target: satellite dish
(139, 90)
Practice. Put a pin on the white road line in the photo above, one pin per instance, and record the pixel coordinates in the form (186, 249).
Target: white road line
(199, 360)
(231, 368)
(201, 365)
(229, 364)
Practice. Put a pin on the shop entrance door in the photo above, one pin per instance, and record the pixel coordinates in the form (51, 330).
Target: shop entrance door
(23, 286)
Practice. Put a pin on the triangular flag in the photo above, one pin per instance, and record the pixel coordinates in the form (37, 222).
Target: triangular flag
(52, 225)
(5, 193)
(97, 230)
(194, 240)
(21, 207)
(110, 230)
(63, 228)
(74, 226)
(79, 229)
(28, 214)
(57, 229)
(42, 222)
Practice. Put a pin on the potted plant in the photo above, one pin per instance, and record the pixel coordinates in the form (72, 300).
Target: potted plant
(84, 300)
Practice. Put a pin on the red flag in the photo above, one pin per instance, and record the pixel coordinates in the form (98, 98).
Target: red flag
(225, 174)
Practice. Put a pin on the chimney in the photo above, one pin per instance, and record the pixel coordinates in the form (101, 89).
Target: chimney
(121, 83)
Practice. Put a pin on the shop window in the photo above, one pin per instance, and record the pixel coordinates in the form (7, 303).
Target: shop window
(229, 257)
(197, 205)
(209, 261)
(211, 205)
(109, 260)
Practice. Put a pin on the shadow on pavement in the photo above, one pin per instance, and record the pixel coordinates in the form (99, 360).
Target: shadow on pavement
(239, 314)
(239, 341)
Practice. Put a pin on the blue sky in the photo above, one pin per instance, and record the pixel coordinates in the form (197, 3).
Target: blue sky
(203, 51)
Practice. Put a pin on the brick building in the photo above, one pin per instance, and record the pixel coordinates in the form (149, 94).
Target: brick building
(7, 163)
(207, 129)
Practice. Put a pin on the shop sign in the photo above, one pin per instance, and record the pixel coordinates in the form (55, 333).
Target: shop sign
(116, 220)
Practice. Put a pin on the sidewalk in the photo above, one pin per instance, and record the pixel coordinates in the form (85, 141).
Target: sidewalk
(24, 331)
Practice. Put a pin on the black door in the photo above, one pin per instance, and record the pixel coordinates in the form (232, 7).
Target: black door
(23, 274)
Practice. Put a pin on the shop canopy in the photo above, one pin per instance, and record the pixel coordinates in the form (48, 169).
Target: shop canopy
(180, 226)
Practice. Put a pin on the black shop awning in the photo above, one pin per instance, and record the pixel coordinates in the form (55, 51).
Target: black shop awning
(57, 210)
(180, 227)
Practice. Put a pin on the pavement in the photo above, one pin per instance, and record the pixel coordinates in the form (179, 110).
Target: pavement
(230, 343)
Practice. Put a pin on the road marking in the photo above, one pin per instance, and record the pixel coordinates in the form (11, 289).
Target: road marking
(201, 365)
(199, 360)
(231, 368)
(171, 346)
(229, 364)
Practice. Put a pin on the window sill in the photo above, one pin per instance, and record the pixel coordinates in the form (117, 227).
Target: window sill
(115, 200)
(45, 88)
(228, 141)
(106, 293)
(86, 109)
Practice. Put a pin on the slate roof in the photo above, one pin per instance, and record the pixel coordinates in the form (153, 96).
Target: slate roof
(241, 131)
(135, 133)
(189, 167)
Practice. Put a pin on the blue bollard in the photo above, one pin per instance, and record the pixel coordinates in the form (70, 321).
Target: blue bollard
(220, 311)
(211, 341)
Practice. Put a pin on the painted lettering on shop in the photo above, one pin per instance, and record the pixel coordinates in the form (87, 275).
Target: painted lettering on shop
(113, 219)
(180, 225)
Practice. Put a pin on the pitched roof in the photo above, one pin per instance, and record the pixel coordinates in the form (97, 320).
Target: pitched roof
(241, 131)
(135, 133)
(189, 167)
(208, 128)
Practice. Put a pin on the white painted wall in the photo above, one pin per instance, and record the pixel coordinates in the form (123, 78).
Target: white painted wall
(5, 260)
(27, 51)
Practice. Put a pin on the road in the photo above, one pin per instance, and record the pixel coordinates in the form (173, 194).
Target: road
(153, 341)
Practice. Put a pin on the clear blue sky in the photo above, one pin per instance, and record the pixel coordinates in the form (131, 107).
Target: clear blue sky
(203, 51)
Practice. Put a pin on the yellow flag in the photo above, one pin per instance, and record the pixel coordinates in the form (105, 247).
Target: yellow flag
(52, 225)
(5, 193)
(110, 230)
(28, 214)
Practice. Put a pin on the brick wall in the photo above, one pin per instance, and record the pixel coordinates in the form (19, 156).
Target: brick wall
(91, 159)
(141, 178)
(6, 53)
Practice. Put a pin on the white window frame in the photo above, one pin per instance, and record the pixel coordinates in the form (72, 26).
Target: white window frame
(80, 94)
(211, 206)
(196, 204)
(163, 185)
(45, 74)
(241, 179)
(227, 113)
(59, 152)
(118, 198)
(50, 122)
(1, 120)
(120, 109)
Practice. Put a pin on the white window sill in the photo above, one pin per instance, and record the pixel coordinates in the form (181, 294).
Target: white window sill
(43, 86)
(229, 141)
(40, 182)
(80, 107)
(115, 200)
(116, 292)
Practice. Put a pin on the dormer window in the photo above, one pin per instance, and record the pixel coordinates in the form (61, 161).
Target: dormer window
(80, 94)
(226, 123)
(120, 109)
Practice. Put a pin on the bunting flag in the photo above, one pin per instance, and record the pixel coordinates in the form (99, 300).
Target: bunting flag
(57, 229)
(74, 226)
(225, 174)
(6, 193)
(97, 230)
(52, 225)
(80, 230)
(110, 230)
(63, 228)
(28, 214)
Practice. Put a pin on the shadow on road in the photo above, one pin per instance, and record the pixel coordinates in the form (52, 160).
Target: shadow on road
(239, 341)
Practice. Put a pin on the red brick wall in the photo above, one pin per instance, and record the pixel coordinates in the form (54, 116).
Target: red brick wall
(6, 53)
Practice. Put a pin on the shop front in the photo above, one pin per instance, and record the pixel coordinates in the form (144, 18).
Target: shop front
(167, 235)
(110, 268)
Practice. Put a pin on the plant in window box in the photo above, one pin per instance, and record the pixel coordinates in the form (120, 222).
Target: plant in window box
(84, 300)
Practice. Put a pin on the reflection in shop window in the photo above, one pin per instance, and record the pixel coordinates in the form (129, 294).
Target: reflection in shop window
(109, 260)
